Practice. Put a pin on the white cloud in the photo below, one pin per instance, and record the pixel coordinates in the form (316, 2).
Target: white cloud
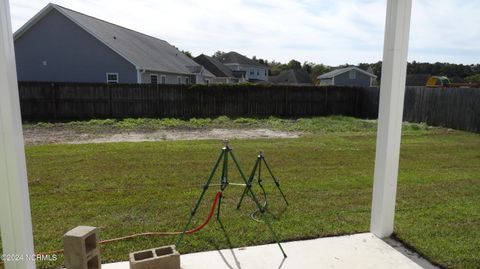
(331, 32)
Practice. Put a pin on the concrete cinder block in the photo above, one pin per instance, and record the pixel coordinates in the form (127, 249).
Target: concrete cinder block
(81, 248)
(166, 257)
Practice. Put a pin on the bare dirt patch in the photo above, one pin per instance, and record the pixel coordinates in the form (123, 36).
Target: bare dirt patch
(39, 136)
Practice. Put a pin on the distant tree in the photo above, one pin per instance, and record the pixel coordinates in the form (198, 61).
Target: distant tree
(188, 53)
(364, 66)
(308, 66)
(319, 69)
(294, 64)
(276, 68)
(377, 70)
(259, 60)
(473, 78)
(218, 54)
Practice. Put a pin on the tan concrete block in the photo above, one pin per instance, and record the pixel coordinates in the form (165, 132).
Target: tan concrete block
(81, 249)
(166, 257)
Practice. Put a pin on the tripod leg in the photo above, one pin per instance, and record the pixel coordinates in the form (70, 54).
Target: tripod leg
(276, 182)
(258, 204)
(248, 183)
(259, 180)
(219, 204)
(205, 187)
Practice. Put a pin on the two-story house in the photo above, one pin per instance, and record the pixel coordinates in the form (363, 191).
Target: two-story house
(254, 71)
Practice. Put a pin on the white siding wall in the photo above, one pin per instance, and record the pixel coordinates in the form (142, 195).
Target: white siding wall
(251, 72)
(169, 78)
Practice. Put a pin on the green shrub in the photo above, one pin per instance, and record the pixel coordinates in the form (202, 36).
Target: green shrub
(194, 122)
(170, 122)
(246, 121)
(221, 120)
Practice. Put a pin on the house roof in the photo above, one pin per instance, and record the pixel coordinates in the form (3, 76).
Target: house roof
(233, 57)
(291, 77)
(214, 66)
(339, 71)
(143, 51)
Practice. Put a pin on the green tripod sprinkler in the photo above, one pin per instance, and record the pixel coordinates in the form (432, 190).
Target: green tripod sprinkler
(224, 156)
(257, 168)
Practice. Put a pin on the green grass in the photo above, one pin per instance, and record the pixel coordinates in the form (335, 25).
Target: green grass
(327, 176)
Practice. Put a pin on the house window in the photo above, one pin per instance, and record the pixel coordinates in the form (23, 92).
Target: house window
(154, 79)
(187, 80)
(265, 72)
(163, 79)
(258, 72)
(252, 71)
(179, 80)
(352, 74)
(112, 77)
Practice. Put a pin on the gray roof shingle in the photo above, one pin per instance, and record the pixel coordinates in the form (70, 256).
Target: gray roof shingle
(214, 66)
(291, 77)
(233, 57)
(339, 71)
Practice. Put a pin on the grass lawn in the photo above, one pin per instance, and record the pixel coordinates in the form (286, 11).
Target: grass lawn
(126, 188)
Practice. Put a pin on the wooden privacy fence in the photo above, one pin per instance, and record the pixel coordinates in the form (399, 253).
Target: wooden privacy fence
(62, 101)
(456, 108)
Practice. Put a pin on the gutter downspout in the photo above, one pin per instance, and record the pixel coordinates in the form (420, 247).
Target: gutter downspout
(139, 74)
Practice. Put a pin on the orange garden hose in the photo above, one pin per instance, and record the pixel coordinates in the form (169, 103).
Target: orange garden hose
(194, 230)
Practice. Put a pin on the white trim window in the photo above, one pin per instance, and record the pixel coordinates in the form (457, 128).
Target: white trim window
(163, 79)
(153, 78)
(112, 78)
(187, 80)
(352, 74)
(179, 80)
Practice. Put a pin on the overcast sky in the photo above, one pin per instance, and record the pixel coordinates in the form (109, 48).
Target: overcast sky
(322, 31)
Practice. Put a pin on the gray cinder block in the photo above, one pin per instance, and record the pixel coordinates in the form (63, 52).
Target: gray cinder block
(166, 257)
(81, 249)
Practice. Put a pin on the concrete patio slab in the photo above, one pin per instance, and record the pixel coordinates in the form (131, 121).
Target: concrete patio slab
(352, 251)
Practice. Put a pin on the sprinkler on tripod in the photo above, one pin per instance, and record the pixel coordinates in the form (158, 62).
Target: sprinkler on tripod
(223, 160)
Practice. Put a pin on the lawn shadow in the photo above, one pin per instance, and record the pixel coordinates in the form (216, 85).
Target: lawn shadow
(230, 247)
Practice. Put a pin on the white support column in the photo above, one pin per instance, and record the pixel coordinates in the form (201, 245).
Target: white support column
(15, 219)
(392, 90)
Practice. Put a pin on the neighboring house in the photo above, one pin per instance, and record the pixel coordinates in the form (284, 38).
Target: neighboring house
(348, 76)
(222, 74)
(254, 71)
(294, 77)
(62, 45)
